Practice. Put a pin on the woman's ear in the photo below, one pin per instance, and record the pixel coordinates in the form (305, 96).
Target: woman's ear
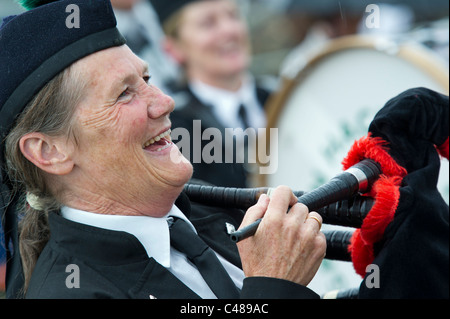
(172, 47)
(50, 154)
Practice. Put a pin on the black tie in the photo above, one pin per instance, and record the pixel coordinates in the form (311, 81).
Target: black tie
(184, 239)
(243, 115)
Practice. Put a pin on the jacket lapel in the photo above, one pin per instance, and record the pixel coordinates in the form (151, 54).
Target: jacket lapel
(210, 223)
(213, 231)
(198, 110)
(156, 282)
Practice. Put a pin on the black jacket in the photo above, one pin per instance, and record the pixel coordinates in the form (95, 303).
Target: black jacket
(220, 174)
(115, 265)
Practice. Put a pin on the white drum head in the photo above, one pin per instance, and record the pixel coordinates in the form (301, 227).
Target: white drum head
(332, 101)
(330, 104)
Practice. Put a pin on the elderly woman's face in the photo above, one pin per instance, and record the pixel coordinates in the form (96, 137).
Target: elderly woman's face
(214, 38)
(124, 152)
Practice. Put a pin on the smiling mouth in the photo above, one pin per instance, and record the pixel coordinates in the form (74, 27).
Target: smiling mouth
(159, 143)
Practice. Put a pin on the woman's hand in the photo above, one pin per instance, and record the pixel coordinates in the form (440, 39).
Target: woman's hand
(288, 243)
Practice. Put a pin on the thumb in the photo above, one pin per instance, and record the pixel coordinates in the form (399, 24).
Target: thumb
(256, 212)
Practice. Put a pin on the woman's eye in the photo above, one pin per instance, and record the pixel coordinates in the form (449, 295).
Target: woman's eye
(123, 94)
(147, 79)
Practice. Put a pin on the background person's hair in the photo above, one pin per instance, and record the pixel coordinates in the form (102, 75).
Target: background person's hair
(172, 24)
(50, 112)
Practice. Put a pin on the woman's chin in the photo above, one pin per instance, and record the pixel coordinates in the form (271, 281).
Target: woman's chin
(178, 167)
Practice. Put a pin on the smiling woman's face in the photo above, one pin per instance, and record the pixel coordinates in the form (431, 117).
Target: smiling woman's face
(213, 39)
(124, 158)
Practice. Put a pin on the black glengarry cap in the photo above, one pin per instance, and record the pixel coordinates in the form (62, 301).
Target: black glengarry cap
(38, 44)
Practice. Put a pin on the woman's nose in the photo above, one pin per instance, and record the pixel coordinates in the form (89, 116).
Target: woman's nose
(160, 104)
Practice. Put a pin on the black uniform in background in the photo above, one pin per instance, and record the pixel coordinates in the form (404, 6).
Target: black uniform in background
(219, 174)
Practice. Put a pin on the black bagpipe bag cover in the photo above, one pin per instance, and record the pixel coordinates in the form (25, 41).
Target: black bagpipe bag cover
(410, 245)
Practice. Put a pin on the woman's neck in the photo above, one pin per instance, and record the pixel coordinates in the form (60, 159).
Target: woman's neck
(87, 199)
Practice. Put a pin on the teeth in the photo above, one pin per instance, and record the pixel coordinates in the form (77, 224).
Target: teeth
(157, 139)
(163, 148)
(152, 141)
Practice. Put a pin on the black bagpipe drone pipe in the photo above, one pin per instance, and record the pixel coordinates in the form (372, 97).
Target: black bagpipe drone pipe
(338, 202)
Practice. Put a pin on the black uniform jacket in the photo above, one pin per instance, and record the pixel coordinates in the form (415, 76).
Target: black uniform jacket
(114, 264)
(219, 174)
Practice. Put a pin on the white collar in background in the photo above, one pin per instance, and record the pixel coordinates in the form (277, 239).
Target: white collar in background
(226, 103)
(152, 233)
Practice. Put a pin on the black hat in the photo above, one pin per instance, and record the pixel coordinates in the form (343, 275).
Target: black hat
(38, 44)
(165, 8)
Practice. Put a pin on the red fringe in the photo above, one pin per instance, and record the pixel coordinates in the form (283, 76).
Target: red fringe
(362, 255)
(387, 195)
(386, 192)
(443, 149)
(373, 148)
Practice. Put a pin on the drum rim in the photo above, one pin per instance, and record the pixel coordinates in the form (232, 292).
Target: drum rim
(416, 54)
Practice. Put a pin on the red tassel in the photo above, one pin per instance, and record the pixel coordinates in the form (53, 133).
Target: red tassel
(443, 149)
(362, 255)
(387, 195)
(374, 148)
(385, 191)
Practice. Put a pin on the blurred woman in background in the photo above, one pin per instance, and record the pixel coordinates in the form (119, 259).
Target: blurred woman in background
(210, 40)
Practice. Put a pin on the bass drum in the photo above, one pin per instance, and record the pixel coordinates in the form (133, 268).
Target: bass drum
(331, 102)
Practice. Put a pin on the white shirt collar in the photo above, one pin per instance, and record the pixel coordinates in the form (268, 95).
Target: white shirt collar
(226, 103)
(152, 233)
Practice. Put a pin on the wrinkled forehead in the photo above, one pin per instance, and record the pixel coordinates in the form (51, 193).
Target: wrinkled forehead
(110, 64)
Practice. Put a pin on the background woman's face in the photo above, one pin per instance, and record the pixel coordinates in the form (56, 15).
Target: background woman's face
(214, 38)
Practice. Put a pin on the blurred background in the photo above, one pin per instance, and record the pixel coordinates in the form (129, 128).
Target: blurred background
(279, 27)
(332, 64)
